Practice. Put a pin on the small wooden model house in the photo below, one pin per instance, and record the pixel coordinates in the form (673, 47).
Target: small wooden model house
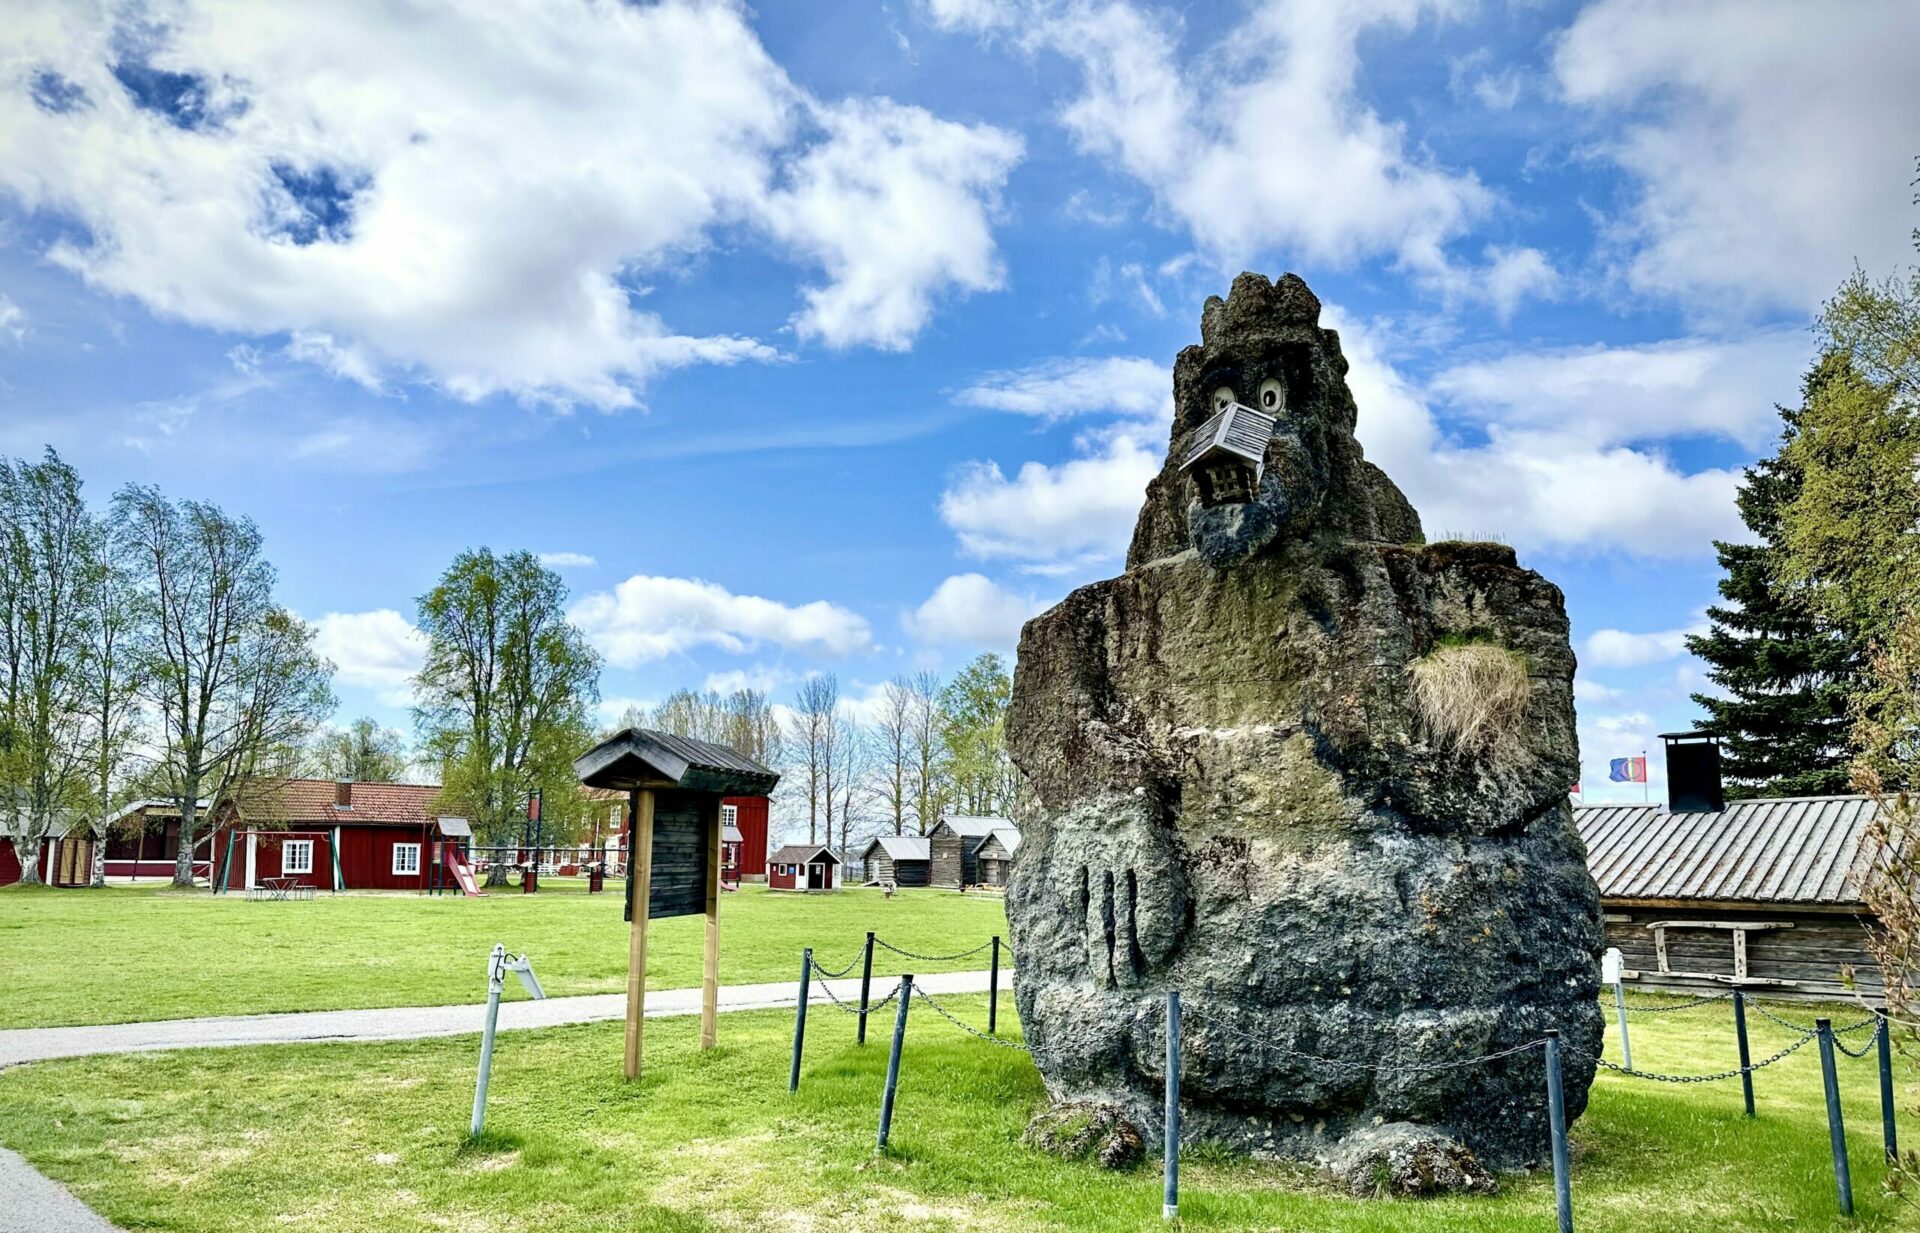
(674, 786)
(1228, 453)
(803, 867)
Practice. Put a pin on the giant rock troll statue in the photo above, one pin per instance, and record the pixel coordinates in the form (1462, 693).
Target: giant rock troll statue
(1312, 772)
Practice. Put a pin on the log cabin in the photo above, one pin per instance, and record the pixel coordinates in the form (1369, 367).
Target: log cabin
(955, 845)
(903, 860)
(1701, 893)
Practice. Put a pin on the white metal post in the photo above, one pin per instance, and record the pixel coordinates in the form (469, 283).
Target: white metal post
(1612, 971)
(496, 984)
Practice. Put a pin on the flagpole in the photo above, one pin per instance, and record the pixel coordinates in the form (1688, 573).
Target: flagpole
(1646, 794)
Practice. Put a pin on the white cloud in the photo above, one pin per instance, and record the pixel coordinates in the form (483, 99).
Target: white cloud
(647, 618)
(1516, 274)
(1259, 142)
(1060, 388)
(1551, 471)
(378, 650)
(974, 612)
(1771, 141)
(1588, 690)
(1056, 518)
(13, 320)
(762, 677)
(1617, 648)
(566, 560)
(474, 194)
(1616, 395)
(894, 204)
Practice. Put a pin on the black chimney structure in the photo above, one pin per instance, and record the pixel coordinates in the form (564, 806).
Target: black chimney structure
(1693, 773)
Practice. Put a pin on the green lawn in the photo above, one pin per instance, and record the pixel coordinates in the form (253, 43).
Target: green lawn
(126, 954)
(370, 1137)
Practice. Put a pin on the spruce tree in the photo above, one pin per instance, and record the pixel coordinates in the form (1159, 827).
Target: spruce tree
(1787, 673)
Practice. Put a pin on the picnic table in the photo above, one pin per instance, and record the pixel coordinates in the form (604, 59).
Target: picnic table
(282, 888)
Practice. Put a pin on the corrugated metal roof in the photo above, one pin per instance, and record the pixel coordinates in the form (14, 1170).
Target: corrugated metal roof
(1776, 850)
(900, 847)
(971, 826)
(1239, 430)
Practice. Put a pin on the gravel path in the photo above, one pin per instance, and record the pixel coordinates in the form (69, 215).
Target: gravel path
(33, 1203)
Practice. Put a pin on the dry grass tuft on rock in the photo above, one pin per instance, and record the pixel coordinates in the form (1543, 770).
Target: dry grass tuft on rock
(1471, 697)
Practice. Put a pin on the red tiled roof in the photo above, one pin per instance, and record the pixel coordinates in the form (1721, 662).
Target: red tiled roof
(310, 802)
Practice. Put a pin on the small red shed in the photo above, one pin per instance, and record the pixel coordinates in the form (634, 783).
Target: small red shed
(803, 867)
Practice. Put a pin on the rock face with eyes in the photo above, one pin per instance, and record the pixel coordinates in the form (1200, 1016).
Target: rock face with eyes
(1311, 771)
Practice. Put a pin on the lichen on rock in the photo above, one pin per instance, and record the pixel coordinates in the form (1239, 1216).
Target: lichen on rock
(1312, 772)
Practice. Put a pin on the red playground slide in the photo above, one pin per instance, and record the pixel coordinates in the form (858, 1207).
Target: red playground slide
(462, 872)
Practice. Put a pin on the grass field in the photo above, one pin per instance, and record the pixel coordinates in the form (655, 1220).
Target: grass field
(370, 1137)
(126, 954)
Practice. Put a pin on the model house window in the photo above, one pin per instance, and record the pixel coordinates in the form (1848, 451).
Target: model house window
(297, 856)
(406, 858)
(729, 815)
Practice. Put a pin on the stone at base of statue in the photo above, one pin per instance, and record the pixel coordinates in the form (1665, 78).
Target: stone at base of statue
(1088, 1130)
(1311, 771)
(1402, 1161)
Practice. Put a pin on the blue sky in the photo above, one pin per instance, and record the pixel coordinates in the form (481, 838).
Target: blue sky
(837, 337)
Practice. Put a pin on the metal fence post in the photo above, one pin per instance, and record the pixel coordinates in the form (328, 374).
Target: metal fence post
(1746, 1059)
(1836, 1127)
(866, 986)
(893, 1063)
(993, 990)
(1557, 1125)
(496, 984)
(1620, 1011)
(800, 1017)
(1170, 1193)
(1885, 1049)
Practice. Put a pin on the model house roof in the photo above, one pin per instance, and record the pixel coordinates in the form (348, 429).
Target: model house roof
(1234, 429)
(731, 834)
(645, 758)
(804, 854)
(1794, 850)
(974, 826)
(899, 848)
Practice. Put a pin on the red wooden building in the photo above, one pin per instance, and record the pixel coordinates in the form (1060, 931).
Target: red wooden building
(335, 835)
(805, 867)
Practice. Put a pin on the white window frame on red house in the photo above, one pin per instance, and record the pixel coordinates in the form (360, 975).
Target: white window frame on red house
(288, 865)
(413, 852)
(729, 815)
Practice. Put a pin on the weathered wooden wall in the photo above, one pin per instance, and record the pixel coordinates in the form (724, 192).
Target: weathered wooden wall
(681, 821)
(951, 866)
(1812, 953)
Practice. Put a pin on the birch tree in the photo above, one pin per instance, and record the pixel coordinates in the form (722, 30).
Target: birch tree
(48, 548)
(893, 750)
(112, 688)
(924, 736)
(816, 706)
(233, 679)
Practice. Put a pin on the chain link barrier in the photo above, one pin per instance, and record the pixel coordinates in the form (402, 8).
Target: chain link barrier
(1791, 1026)
(968, 1028)
(1648, 1009)
(836, 975)
(853, 1008)
(1717, 1076)
(932, 958)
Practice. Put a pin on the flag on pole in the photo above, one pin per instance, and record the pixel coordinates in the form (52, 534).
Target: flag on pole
(1576, 788)
(1628, 770)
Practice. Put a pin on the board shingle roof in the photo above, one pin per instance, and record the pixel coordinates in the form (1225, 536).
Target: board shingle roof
(975, 826)
(1239, 430)
(801, 853)
(647, 755)
(1800, 850)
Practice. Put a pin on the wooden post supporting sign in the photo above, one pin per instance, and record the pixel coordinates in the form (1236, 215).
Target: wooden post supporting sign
(640, 875)
(710, 979)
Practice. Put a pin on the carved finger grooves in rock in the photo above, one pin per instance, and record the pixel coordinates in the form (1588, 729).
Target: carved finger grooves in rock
(1107, 924)
(1136, 960)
